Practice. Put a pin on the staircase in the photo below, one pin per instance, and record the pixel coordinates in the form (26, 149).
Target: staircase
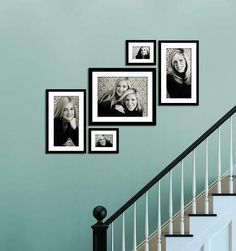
(206, 223)
(197, 226)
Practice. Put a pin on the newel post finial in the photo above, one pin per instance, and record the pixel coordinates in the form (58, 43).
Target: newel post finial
(99, 229)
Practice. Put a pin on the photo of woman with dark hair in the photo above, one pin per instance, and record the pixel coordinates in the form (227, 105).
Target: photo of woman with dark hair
(179, 75)
(65, 126)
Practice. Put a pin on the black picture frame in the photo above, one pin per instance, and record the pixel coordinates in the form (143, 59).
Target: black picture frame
(103, 140)
(134, 55)
(178, 88)
(142, 81)
(75, 137)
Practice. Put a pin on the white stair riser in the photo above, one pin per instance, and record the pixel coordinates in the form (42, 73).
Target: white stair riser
(176, 243)
(222, 204)
(197, 224)
(217, 237)
(210, 233)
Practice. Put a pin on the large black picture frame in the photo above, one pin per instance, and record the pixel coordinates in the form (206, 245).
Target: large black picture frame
(141, 81)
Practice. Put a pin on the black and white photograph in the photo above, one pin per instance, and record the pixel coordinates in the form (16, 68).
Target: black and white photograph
(104, 140)
(122, 96)
(65, 121)
(179, 72)
(140, 52)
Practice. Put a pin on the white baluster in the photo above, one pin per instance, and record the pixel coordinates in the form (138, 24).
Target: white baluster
(123, 232)
(231, 157)
(171, 206)
(159, 218)
(182, 200)
(194, 184)
(219, 163)
(206, 182)
(112, 237)
(135, 234)
(146, 248)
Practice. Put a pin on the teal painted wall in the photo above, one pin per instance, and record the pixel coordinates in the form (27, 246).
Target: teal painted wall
(46, 201)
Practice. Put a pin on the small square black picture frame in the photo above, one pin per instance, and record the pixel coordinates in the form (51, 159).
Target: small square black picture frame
(134, 54)
(96, 147)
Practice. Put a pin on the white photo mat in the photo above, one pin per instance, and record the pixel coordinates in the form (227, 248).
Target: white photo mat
(115, 74)
(131, 45)
(81, 128)
(101, 149)
(193, 47)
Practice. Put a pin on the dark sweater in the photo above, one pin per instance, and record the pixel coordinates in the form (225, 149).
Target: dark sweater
(177, 90)
(61, 136)
(104, 109)
(108, 144)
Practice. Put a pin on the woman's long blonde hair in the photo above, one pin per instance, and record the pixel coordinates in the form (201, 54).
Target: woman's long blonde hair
(111, 95)
(60, 105)
(187, 72)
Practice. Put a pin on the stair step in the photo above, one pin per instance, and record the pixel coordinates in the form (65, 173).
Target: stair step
(224, 194)
(176, 242)
(178, 235)
(202, 215)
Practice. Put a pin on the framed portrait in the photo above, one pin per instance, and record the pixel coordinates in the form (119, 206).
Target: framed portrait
(65, 121)
(179, 72)
(140, 52)
(122, 96)
(104, 140)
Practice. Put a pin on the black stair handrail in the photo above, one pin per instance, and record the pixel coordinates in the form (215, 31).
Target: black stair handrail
(99, 212)
(168, 168)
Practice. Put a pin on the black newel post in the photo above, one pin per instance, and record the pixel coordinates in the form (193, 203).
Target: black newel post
(99, 229)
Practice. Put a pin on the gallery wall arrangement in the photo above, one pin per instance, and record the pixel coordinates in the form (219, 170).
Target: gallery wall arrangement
(122, 96)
